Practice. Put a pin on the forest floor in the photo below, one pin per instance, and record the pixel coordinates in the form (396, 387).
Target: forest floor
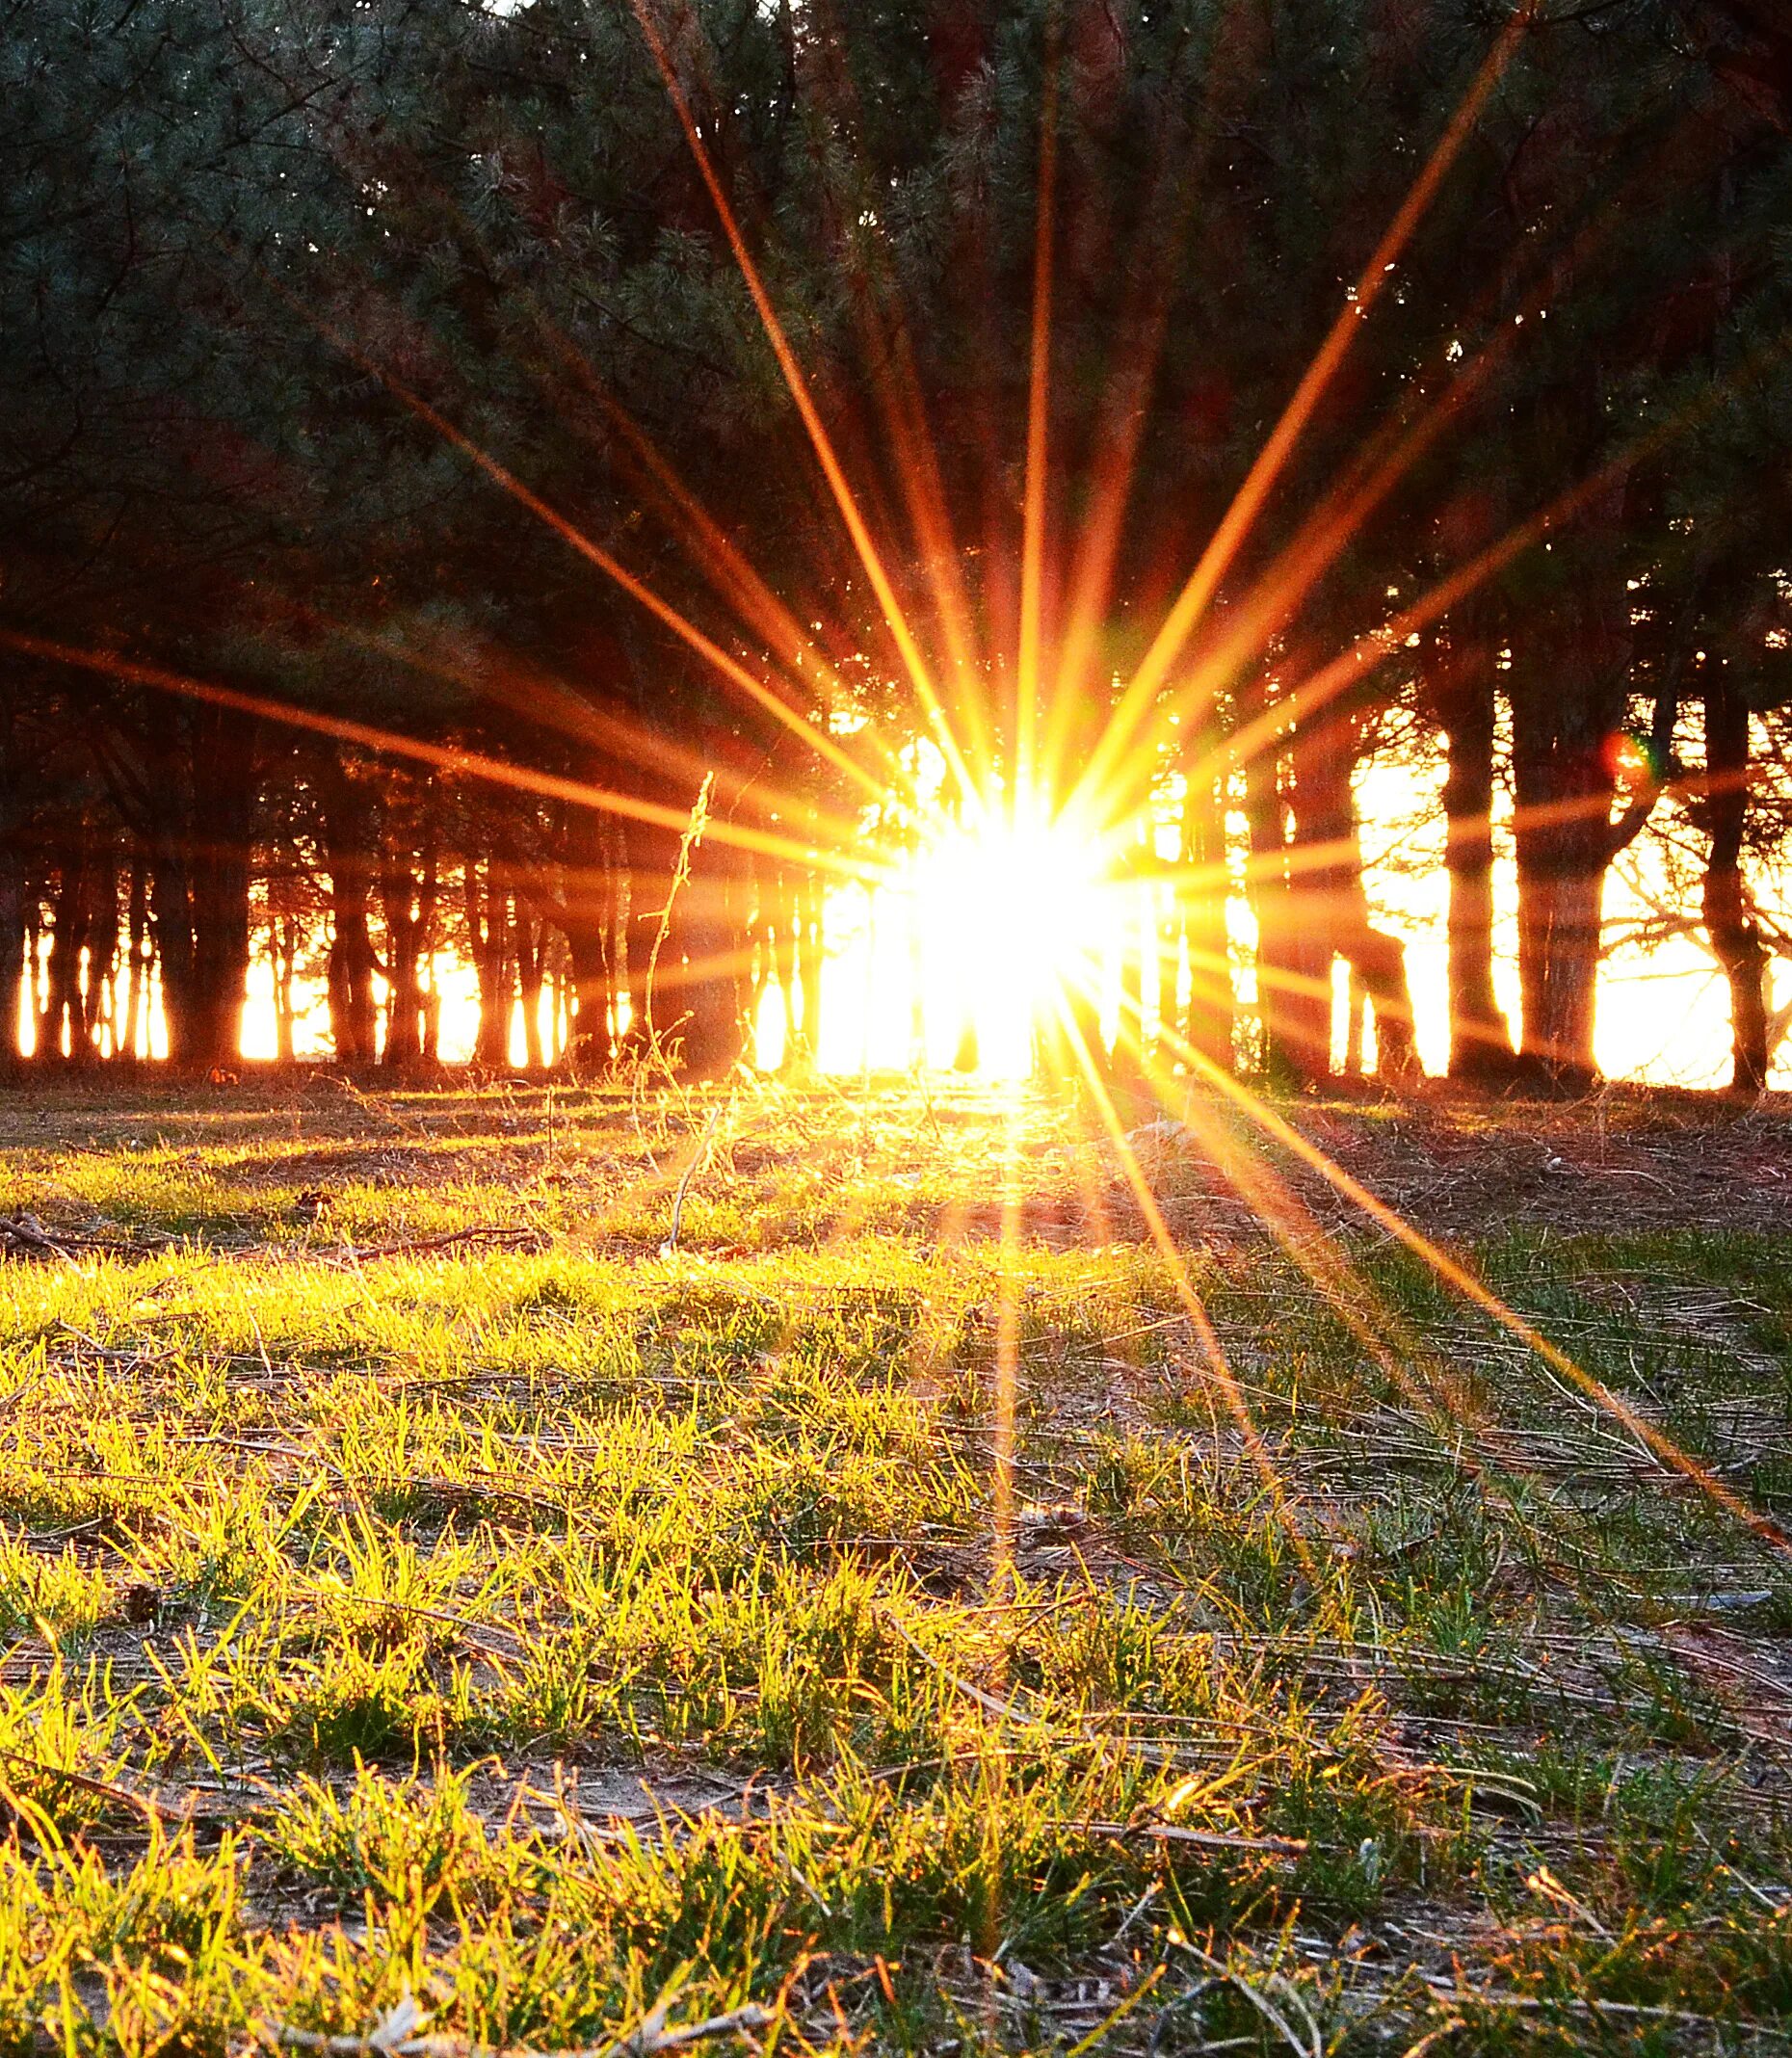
(532, 1567)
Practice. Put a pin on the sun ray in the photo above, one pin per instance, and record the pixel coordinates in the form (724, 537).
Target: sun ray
(550, 702)
(1378, 466)
(1007, 1360)
(445, 757)
(914, 662)
(661, 610)
(1444, 1403)
(1457, 1275)
(1183, 1285)
(888, 349)
(1035, 490)
(1201, 583)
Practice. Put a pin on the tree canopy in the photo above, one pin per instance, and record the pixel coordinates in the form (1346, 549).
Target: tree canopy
(1163, 405)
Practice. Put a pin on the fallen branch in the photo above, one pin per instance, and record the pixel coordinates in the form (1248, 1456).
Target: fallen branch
(101, 1789)
(1206, 1840)
(23, 1235)
(530, 1239)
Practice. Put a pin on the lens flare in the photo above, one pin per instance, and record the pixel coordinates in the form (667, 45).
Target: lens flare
(1007, 913)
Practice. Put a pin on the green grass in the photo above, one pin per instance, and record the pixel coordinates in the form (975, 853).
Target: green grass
(551, 1626)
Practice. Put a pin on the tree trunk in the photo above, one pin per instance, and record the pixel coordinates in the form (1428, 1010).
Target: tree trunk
(65, 1012)
(530, 934)
(1464, 703)
(1332, 907)
(1729, 922)
(487, 929)
(1294, 955)
(408, 902)
(137, 969)
(587, 920)
(283, 951)
(171, 911)
(224, 814)
(1210, 1020)
(12, 954)
(348, 858)
(1564, 786)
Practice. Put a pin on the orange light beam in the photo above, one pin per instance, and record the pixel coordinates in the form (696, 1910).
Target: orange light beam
(551, 702)
(1039, 427)
(444, 757)
(1324, 535)
(663, 611)
(715, 553)
(1444, 1402)
(1212, 1351)
(1192, 602)
(575, 539)
(1007, 1364)
(1457, 1275)
(889, 355)
(797, 384)
(1369, 478)
(1374, 647)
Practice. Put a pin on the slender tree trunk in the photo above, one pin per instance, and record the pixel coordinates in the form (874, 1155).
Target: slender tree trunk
(587, 920)
(407, 903)
(1294, 955)
(12, 954)
(531, 969)
(171, 909)
(487, 924)
(65, 1013)
(347, 857)
(1564, 788)
(137, 966)
(1465, 701)
(283, 953)
(1730, 921)
(1333, 907)
(104, 933)
(1210, 1022)
(1566, 705)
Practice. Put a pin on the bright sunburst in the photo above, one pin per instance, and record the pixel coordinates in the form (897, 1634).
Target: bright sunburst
(1013, 912)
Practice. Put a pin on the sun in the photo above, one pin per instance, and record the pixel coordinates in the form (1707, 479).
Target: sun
(1011, 914)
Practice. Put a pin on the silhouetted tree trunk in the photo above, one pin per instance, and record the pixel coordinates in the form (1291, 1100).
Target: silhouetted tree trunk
(1294, 956)
(103, 949)
(488, 939)
(348, 859)
(283, 955)
(531, 933)
(408, 901)
(588, 917)
(1330, 903)
(11, 953)
(1464, 701)
(1208, 1023)
(1567, 705)
(63, 1014)
(1729, 922)
(137, 966)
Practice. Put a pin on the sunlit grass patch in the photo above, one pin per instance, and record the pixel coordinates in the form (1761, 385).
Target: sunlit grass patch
(367, 1557)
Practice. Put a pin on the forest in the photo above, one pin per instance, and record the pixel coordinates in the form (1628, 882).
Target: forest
(565, 489)
(895, 1000)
